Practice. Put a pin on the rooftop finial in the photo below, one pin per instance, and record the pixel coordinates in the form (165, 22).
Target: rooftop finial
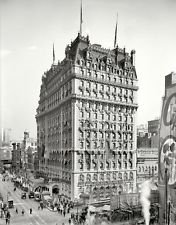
(115, 38)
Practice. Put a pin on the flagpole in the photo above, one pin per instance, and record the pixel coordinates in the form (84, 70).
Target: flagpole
(53, 54)
(81, 20)
(115, 38)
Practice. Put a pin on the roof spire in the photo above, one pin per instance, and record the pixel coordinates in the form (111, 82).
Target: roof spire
(81, 19)
(115, 38)
(53, 54)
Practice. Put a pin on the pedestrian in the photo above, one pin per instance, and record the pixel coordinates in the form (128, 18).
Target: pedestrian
(69, 221)
(30, 210)
(39, 207)
(8, 217)
(22, 212)
(16, 211)
(68, 209)
(64, 212)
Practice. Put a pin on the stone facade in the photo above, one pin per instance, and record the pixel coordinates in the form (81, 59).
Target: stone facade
(86, 121)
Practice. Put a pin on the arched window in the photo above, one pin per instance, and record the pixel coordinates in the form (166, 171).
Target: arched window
(81, 178)
(125, 176)
(120, 176)
(131, 175)
(88, 177)
(101, 176)
(95, 177)
(114, 176)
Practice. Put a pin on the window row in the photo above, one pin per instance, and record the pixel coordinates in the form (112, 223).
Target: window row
(106, 107)
(107, 96)
(106, 116)
(62, 93)
(102, 145)
(121, 126)
(105, 176)
(102, 135)
(102, 66)
(87, 165)
(87, 85)
(149, 169)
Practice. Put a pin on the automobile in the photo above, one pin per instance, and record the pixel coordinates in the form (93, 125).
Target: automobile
(23, 195)
(37, 196)
(31, 194)
(10, 203)
(25, 189)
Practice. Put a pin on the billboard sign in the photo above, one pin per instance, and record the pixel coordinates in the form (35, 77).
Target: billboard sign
(167, 154)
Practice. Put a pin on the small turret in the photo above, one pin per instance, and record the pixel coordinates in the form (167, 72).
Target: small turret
(133, 57)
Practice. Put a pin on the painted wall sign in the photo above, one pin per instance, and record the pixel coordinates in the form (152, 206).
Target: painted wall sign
(167, 151)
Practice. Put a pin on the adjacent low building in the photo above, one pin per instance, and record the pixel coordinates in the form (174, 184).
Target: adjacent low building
(147, 152)
(147, 164)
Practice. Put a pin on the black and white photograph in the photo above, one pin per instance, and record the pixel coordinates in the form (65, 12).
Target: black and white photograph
(88, 112)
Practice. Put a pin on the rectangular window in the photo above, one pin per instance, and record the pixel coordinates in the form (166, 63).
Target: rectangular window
(95, 116)
(81, 145)
(88, 134)
(81, 134)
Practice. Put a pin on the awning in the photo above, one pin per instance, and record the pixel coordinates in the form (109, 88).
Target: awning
(106, 208)
(47, 197)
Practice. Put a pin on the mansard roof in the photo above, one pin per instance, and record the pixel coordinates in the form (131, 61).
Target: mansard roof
(82, 49)
(81, 45)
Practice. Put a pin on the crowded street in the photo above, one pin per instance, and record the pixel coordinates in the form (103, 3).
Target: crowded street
(37, 217)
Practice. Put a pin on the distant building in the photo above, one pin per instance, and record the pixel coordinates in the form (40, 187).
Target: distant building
(6, 136)
(142, 136)
(142, 130)
(16, 157)
(6, 157)
(86, 121)
(29, 149)
(153, 127)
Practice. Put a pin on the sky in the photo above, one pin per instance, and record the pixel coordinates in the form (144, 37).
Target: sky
(28, 30)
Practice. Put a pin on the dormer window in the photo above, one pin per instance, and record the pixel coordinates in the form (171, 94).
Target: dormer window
(88, 55)
(88, 64)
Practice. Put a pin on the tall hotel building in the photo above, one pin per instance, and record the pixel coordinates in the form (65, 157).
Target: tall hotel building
(86, 121)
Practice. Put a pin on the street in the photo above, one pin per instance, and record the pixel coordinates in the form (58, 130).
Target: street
(38, 217)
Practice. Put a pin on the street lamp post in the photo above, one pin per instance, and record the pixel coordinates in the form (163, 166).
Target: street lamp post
(166, 195)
